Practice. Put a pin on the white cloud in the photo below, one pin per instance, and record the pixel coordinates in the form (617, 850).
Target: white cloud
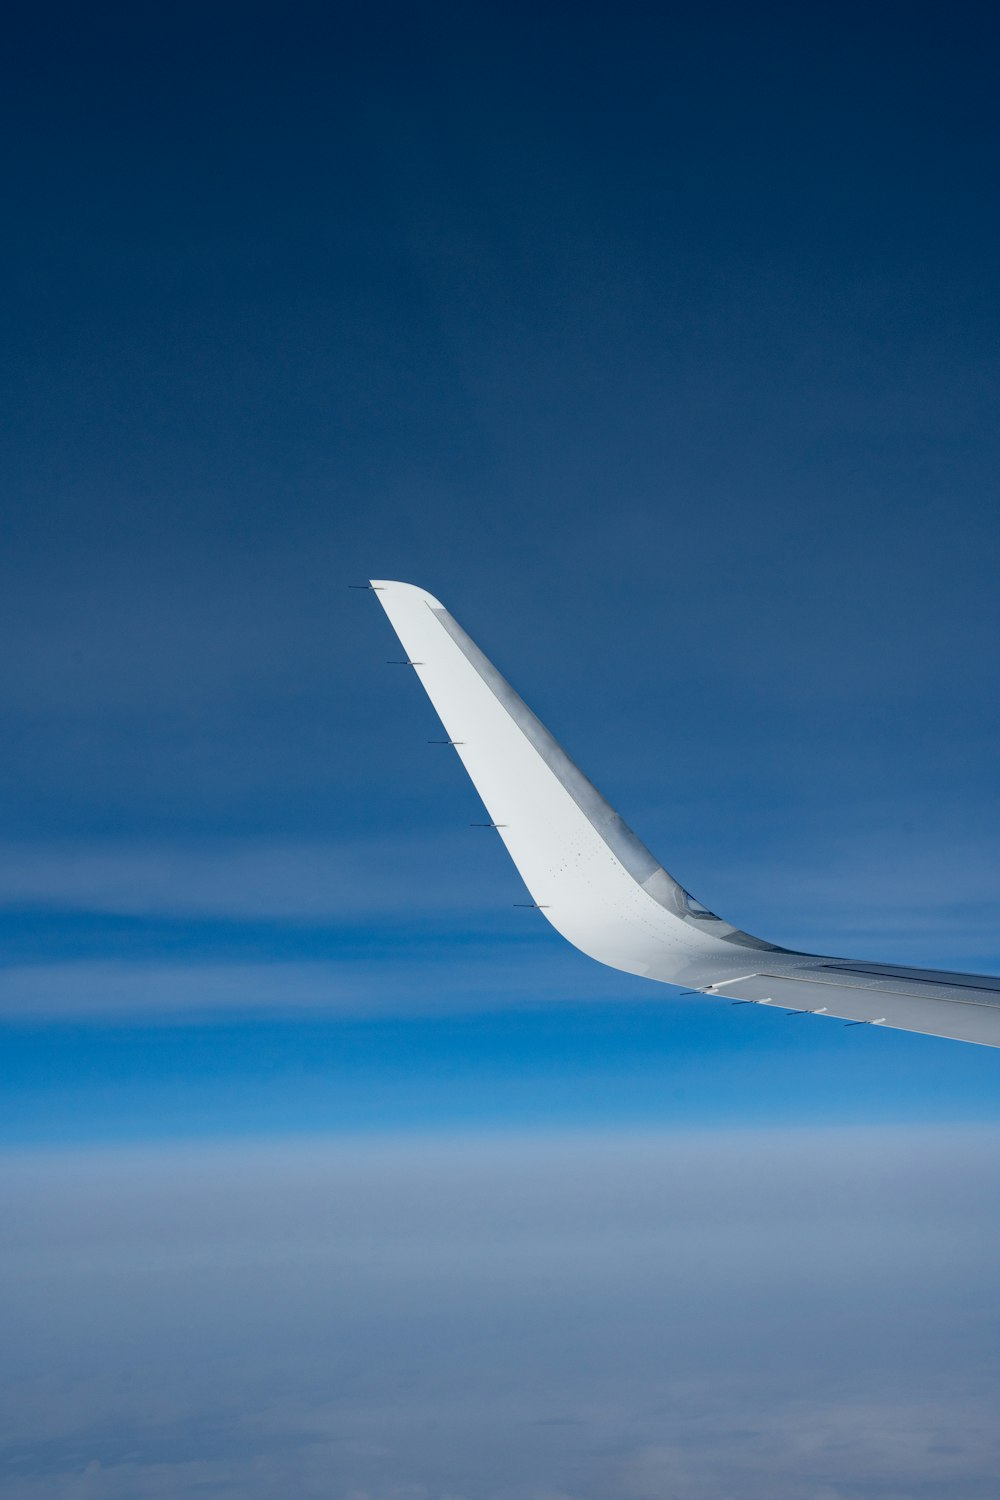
(768, 1315)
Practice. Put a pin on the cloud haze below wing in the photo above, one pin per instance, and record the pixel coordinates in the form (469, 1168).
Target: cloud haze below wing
(506, 1319)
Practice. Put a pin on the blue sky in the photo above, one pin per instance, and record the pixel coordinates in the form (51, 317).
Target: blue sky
(663, 349)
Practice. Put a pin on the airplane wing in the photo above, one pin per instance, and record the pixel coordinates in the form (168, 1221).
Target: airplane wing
(600, 887)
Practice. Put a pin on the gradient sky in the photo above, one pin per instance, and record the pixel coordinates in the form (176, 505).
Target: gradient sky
(661, 345)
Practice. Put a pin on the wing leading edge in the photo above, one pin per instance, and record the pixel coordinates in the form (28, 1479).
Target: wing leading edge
(600, 887)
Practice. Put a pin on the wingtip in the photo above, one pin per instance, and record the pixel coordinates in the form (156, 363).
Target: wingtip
(400, 590)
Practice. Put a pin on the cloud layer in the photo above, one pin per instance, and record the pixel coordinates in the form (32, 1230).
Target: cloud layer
(761, 1314)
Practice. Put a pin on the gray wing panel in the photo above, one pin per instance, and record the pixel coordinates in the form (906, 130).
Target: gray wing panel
(965, 1007)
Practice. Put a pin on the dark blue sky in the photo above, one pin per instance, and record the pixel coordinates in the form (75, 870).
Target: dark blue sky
(662, 345)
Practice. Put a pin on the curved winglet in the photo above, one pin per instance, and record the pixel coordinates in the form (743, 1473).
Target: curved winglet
(595, 881)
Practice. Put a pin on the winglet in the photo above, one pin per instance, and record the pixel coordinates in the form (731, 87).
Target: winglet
(595, 881)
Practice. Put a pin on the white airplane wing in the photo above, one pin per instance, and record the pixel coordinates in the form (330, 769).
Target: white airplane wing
(601, 888)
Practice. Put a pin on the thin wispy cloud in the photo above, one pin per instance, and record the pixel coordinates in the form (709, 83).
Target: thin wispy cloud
(400, 983)
(249, 878)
